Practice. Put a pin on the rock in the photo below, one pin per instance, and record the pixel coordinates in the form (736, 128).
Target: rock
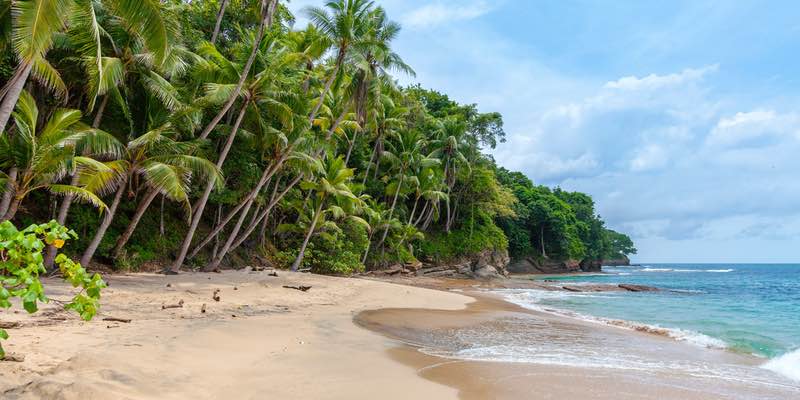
(487, 264)
(638, 288)
(591, 265)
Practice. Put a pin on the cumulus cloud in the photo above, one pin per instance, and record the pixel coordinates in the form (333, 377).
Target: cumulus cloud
(748, 127)
(439, 13)
(654, 81)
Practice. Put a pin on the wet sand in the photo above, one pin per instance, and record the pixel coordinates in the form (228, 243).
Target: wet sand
(426, 332)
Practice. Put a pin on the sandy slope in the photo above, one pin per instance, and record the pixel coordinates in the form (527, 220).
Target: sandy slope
(260, 341)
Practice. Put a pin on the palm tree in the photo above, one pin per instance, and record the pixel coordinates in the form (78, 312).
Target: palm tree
(405, 153)
(450, 146)
(345, 26)
(332, 186)
(45, 153)
(166, 167)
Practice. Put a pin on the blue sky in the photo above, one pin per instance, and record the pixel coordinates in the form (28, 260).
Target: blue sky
(680, 118)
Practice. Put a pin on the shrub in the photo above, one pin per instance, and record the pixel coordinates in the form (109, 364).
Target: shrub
(21, 263)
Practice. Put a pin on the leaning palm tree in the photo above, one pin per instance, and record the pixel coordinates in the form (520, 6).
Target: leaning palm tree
(332, 186)
(45, 153)
(166, 167)
(346, 26)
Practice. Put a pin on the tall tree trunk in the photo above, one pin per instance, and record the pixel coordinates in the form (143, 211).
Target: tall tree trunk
(413, 211)
(98, 116)
(201, 203)
(350, 148)
(215, 249)
(265, 214)
(267, 11)
(140, 210)
(366, 251)
(369, 164)
(391, 210)
(422, 214)
(447, 218)
(302, 253)
(12, 209)
(328, 84)
(541, 240)
(9, 194)
(222, 5)
(161, 229)
(14, 87)
(266, 176)
(101, 230)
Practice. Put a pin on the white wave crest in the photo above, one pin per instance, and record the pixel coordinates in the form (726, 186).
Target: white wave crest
(787, 365)
(719, 270)
(530, 299)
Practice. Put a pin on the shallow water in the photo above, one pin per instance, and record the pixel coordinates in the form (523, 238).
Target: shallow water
(745, 308)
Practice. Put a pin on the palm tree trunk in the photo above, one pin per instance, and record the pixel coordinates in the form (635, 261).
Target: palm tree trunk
(391, 210)
(267, 11)
(366, 251)
(10, 190)
(140, 210)
(12, 209)
(201, 203)
(369, 164)
(246, 202)
(161, 229)
(222, 5)
(98, 116)
(265, 214)
(15, 87)
(422, 214)
(413, 211)
(350, 148)
(302, 253)
(101, 230)
(541, 240)
(447, 218)
(328, 84)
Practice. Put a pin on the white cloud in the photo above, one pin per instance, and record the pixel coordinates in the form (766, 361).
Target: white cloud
(654, 81)
(445, 12)
(745, 127)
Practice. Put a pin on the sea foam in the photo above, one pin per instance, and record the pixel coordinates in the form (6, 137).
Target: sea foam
(787, 365)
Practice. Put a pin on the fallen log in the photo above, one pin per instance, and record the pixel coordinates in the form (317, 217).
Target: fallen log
(179, 305)
(113, 319)
(300, 288)
(14, 358)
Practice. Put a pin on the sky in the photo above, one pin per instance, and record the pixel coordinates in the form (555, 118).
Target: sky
(680, 118)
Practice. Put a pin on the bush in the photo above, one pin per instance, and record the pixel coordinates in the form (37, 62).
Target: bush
(21, 263)
(472, 237)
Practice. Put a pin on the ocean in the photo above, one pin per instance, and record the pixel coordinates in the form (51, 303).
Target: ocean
(751, 311)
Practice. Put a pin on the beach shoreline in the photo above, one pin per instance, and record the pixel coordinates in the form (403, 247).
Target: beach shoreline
(344, 338)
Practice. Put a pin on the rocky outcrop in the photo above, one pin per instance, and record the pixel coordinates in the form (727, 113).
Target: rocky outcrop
(624, 261)
(488, 264)
(591, 265)
(532, 266)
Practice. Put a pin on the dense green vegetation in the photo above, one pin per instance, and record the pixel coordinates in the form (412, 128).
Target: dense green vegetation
(207, 133)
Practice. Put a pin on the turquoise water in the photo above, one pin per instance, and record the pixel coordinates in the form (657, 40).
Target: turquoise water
(752, 308)
(747, 308)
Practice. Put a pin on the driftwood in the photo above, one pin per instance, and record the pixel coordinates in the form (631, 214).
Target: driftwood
(203, 308)
(179, 305)
(300, 288)
(113, 319)
(9, 325)
(571, 289)
(13, 358)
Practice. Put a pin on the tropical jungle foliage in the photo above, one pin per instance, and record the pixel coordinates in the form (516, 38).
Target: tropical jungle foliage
(207, 133)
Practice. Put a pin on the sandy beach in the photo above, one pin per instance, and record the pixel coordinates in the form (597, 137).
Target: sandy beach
(343, 338)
